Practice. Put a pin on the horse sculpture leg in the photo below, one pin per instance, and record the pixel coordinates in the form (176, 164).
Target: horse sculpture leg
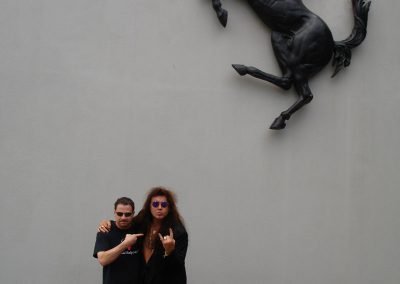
(305, 96)
(222, 14)
(284, 82)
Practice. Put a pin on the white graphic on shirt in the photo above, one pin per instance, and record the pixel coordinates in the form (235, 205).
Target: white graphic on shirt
(128, 251)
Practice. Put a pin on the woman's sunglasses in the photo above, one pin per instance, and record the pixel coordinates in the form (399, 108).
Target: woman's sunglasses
(163, 204)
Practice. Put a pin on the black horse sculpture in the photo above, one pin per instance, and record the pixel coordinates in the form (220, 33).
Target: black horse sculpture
(302, 43)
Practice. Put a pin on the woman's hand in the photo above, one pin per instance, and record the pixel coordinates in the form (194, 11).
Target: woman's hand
(104, 227)
(168, 242)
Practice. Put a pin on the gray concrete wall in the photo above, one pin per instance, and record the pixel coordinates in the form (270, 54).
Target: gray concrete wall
(100, 99)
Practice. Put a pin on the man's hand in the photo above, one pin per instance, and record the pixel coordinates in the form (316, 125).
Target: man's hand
(105, 226)
(168, 242)
(130, 240)
(109, 256)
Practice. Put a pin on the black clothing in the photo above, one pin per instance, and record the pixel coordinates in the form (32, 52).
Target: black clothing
(126, 268)
(170, 269)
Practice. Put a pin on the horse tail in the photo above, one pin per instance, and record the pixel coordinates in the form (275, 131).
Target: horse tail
(342, 49)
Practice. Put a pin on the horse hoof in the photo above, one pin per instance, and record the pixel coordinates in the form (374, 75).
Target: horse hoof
(279, 123)
(223, 17)
(241, 69)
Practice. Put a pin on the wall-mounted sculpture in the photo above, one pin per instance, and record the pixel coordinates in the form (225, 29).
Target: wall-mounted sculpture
(303, 45)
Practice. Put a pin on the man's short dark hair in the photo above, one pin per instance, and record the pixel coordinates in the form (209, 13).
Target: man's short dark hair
(124, 201)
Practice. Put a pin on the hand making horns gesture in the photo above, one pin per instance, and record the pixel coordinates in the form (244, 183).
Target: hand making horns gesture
(168, 242)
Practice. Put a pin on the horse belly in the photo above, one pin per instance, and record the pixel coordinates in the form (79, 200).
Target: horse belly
(316, 42)
(312, 48)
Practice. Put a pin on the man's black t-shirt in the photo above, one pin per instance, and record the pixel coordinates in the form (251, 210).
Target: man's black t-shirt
(126, 268)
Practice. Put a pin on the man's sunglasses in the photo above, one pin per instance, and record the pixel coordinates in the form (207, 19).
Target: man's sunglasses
(126, 214)
(163, 204)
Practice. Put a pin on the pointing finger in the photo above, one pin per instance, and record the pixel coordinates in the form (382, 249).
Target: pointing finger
(171, 233)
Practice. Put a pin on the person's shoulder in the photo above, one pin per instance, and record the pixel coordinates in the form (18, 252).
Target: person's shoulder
(136, 227)
(133, 230)
(179, 229)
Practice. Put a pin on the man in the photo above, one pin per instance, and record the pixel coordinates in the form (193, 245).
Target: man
(117, 251)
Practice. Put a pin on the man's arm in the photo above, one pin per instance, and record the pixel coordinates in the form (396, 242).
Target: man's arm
(109, 256)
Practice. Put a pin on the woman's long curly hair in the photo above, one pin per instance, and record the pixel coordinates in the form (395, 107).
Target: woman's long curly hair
(144, 218)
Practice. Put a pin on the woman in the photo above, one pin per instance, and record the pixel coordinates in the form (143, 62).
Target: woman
(165, 239)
